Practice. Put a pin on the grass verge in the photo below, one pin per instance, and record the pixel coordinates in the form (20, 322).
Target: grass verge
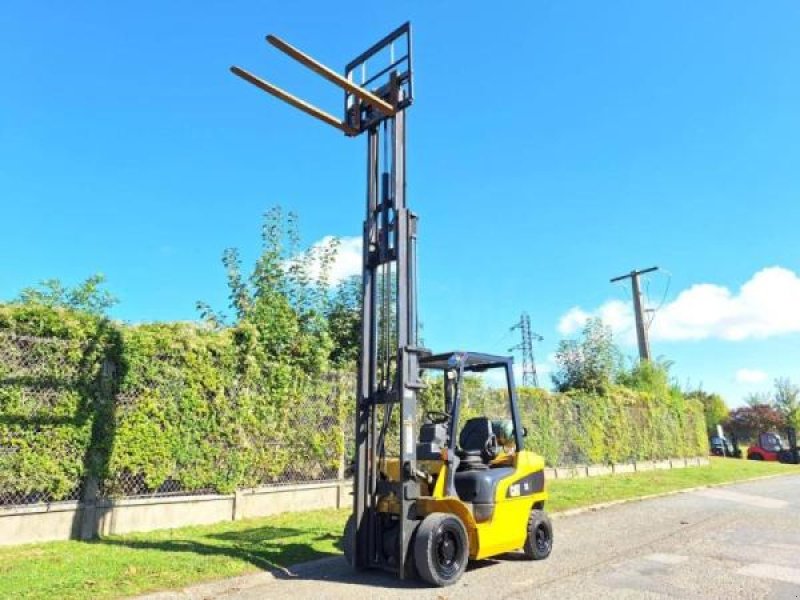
(119, 566)
(574, 493)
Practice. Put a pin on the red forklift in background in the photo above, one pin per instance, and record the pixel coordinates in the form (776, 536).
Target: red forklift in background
(770, 447)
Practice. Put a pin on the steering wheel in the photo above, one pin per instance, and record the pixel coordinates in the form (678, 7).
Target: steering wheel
(437, 417)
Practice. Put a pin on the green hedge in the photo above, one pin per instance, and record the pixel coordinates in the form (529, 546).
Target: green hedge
(156, 407)
(189, 408)
(577, 427)
(171, 407)
(621, 426)
(50, 375)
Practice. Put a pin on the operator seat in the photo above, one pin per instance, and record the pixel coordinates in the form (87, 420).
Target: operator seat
(475, 481)
(477, 444)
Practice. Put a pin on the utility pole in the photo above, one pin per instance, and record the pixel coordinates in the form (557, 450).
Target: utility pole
(529, 376)
(641, 330)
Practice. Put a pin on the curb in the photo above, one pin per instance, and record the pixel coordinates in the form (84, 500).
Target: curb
(595, 507)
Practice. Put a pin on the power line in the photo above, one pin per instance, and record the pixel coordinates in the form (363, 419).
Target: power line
(653, 311)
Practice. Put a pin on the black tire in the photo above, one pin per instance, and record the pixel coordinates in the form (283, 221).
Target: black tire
(441, 549)
(539, 541)
(349, 541)
(755, 456)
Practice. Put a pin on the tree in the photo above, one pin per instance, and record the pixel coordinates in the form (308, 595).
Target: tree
(344, 322)
(747, 422)
(714, 407)
(647, 376)
(279, 309)
(757, 398)
(588, 363)
(787, 400)
(88, 296)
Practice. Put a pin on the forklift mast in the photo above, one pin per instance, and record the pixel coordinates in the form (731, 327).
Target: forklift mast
(378, 88)
(389, 368)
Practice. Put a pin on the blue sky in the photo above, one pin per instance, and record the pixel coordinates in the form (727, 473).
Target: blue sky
(552, 145)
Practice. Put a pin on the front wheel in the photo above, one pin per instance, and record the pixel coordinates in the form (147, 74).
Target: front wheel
(539, 541)
(441, 549)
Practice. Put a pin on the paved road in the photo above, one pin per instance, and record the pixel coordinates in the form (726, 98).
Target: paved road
(739, 541)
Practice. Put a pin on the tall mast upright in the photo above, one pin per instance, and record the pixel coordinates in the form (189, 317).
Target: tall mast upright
(375, 99)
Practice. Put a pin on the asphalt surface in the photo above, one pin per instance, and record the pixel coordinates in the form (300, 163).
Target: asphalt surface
(739, 541)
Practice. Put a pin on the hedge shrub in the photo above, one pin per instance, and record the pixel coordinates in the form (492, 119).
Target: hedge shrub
(579, 427)
(620, 426)
(50, 376)
(182, 407)
(155, 408)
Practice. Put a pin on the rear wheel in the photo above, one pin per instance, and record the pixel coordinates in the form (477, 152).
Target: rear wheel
(755, 456)
(441, 549)
(539, 541)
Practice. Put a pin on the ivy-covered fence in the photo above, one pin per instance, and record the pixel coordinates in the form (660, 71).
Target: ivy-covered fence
(93, 407)
(621, 426)
(580, 428)
(89, 406)
(44, 422)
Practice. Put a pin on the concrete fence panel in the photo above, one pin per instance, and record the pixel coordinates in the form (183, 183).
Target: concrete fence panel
(76, 520)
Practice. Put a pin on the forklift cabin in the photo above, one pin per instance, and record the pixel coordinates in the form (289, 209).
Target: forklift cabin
(480, 440)
(480, 492)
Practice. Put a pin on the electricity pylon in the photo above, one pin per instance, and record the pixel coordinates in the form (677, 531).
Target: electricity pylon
(529, 376)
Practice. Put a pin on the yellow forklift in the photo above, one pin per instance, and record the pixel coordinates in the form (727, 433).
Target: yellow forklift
(430, 492)
(480, 493)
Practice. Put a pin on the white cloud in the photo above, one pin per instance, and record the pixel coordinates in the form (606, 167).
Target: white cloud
(750, 376)
(348, 260)
(765, 306)
(615, 313)
(572, 320)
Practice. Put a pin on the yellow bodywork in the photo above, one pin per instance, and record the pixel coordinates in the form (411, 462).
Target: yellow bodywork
(506, 530)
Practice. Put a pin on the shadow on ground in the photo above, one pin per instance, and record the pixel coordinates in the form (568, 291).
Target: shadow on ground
(286, 553)
(338, 571)
(268, 548)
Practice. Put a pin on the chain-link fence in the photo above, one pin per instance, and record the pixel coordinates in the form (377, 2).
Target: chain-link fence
(41, 414)
(75, 423)
(306, 445)
(70, 425)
